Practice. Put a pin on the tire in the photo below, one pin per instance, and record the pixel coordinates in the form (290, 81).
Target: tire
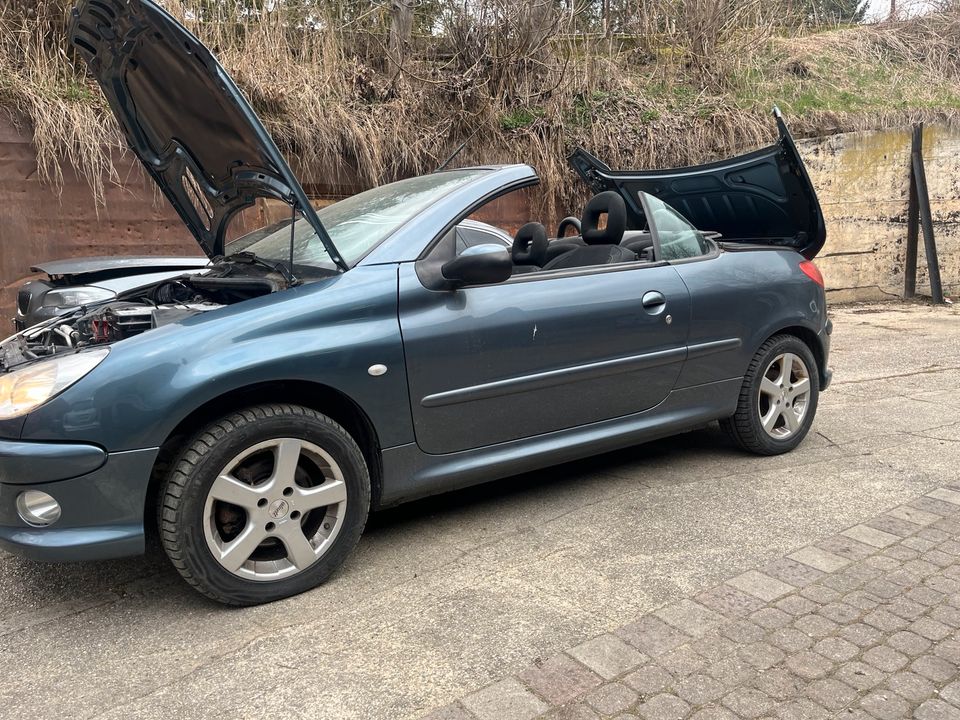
(768, 396)
(264, 503)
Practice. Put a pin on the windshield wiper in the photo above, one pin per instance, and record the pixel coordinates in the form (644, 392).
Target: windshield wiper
(252, 258)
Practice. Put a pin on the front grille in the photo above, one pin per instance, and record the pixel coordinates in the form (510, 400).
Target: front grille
(23, 301)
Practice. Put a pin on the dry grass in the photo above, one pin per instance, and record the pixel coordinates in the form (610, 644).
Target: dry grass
(511, 78)
(41, 86)
(931, 42)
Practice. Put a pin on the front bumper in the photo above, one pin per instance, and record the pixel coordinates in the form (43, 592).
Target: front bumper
(101, 495)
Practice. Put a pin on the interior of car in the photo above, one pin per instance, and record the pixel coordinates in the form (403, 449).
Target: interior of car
(600, 236)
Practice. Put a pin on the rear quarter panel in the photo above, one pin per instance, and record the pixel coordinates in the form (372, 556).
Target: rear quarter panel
(749, 295)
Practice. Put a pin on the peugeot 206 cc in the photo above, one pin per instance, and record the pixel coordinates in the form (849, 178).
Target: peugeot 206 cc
(257, 407)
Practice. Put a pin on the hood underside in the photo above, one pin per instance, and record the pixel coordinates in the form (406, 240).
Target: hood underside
(185, 118)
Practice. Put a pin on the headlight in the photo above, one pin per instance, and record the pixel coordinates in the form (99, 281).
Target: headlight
(76, 296)
(23, 390)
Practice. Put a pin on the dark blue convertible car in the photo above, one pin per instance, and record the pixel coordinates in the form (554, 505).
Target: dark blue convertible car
(385, 348)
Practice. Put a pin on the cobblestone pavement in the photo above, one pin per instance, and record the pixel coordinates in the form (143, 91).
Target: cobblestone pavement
(864, 624)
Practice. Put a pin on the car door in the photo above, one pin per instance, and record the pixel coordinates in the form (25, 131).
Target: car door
(540, 352)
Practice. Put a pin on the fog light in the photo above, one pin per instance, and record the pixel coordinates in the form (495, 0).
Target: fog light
(37, 508)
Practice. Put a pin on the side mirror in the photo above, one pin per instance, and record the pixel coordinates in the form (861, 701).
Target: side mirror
(478, 265)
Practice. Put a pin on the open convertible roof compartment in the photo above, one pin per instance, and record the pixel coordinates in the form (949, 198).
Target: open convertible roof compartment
(763, 197)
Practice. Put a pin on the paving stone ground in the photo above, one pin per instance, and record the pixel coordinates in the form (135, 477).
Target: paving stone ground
(862, 625)
(450, 594)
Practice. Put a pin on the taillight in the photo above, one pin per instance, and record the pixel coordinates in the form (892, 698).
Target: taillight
(812, 272)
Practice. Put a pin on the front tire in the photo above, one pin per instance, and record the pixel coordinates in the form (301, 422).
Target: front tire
(264, 503)
(778, 399)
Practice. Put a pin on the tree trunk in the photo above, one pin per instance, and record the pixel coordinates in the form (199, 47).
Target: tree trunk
(401, 30)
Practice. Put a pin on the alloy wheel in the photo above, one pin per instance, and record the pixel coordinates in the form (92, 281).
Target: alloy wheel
(274, 509)
(784, 396)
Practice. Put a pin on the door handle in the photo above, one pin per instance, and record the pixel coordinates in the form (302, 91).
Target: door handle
(653, 302)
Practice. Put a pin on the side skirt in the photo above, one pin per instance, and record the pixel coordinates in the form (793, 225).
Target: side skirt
(409, 473)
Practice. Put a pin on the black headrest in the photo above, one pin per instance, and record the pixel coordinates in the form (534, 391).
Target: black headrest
(612, 204)
(530, 245)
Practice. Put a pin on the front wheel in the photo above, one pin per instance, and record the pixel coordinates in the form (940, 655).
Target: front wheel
(264, 503)
(778, 399)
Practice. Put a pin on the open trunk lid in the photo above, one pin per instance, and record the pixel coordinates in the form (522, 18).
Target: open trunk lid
(185, 118)
(764, 197)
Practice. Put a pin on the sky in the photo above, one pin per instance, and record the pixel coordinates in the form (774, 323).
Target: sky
(879, 9)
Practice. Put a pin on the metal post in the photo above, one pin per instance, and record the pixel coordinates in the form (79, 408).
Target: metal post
(926, 219)
(913, 223)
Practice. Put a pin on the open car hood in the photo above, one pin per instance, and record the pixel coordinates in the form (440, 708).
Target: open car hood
(764, 197)
(185, 118)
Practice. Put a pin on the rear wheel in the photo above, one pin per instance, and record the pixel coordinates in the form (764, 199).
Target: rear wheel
(778, 399)
(264, 503)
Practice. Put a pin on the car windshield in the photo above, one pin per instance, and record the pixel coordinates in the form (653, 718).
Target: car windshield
(356, 224)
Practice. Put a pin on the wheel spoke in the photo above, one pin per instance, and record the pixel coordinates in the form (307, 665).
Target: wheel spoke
(299, 550)
(800, 388)
(236, 552)
(791, 419)
(228, 489)
(786, 368)
(331, 492)
(287, 458)
(770, 388)
(769, 420)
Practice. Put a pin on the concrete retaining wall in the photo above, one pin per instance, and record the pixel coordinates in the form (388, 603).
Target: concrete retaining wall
(862, 182)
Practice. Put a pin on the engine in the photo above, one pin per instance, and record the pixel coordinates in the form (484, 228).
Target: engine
(108, 323)
(119, 321)
(142, 310)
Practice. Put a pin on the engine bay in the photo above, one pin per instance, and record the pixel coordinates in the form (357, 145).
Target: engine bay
(138, 311)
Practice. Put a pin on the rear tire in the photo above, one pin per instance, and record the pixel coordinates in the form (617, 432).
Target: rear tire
(778, 399)
(264, 503)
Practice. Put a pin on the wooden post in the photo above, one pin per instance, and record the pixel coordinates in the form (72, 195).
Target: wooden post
(913, 224)
(926, 217)
(401, 30)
